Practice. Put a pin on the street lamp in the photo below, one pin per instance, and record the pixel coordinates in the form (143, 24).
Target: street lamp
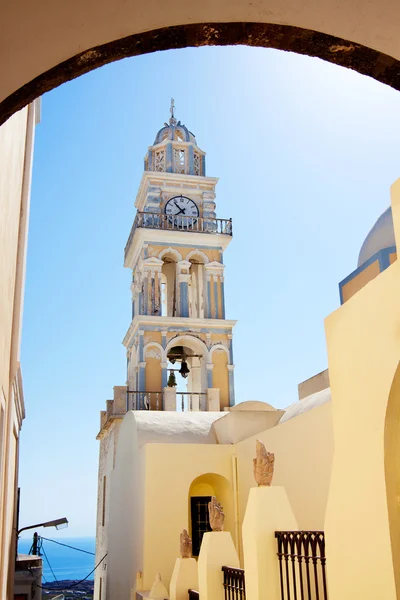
(57, 523)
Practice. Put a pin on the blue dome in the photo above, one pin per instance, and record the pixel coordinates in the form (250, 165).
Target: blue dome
(381, 236)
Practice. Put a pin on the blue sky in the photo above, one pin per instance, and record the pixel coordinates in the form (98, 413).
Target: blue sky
(305, 152)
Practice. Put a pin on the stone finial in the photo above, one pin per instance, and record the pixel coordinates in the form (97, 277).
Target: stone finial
(186, 544)
(263, 465)
(158, 590)
(216, 515)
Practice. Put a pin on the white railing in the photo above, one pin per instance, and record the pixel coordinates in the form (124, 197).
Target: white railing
(185, 401)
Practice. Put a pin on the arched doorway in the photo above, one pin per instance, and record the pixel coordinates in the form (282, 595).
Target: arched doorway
(200, 492)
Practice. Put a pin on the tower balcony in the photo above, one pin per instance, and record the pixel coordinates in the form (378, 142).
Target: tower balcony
(179, 223)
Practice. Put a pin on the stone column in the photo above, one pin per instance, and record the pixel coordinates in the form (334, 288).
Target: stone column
(142, 377)
(184, 578)
(217, 550)
(164, 374)
(222, 297)
(170, 398)
(146, 293)
(216, 311)
(213, 400)
(268, 510)
(231, 380)
(141, 364)
(208, 295)
(183, 279)
(209, 367)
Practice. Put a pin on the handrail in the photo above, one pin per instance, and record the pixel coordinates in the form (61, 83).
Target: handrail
(162, 221)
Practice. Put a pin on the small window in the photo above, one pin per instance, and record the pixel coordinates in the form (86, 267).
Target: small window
(160, 161)
(196, 164)
(179, 160)
(200, 520)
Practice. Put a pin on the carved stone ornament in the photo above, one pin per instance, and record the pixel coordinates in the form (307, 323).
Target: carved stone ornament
(263, 465)
(186, 544)
(216, 515)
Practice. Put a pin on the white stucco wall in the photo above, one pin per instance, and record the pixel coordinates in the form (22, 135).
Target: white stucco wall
(16, 149)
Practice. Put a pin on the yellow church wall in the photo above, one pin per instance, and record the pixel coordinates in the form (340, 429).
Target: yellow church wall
(170, 487)
(363, 338)
(220, 376)
(303, 448)
(152, 336)
(358, 282)
(153, 376)
(219, 338)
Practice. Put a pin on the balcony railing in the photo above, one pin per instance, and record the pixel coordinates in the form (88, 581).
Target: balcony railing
(234, 583)
(302, 561)
(179, 223)
(186, 401)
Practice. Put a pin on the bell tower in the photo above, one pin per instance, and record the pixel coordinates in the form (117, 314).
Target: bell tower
(179, 344)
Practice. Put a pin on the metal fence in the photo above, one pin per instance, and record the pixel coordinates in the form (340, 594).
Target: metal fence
(302, 562)
(234, 583)
(185, 223)
(193, 595)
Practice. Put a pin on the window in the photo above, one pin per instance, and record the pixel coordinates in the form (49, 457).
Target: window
(179, 160)
(200, 520)
(159, 161)
(196, 163)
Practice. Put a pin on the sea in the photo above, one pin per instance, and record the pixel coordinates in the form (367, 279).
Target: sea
(61, 562)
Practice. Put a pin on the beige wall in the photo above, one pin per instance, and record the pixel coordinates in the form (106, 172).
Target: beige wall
(363, 338)
(152, 485)
(126, 516)
(360, 280)
(170, 471)
(16, 147)
(303, 448)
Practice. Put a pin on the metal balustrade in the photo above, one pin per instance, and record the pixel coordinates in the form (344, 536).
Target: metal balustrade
(186, 401)
(234, 583)
(302, 560)
(192, 401)
(179, 223)
(144, 400)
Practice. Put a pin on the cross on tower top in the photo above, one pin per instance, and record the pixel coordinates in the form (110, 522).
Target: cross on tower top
(172, 120)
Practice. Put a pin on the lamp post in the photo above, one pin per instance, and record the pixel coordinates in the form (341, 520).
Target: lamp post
(57, 523)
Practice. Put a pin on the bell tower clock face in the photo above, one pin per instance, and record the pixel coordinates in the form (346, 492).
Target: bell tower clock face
(181, 206)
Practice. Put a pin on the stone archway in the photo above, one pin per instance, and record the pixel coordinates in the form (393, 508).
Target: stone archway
(364, 51)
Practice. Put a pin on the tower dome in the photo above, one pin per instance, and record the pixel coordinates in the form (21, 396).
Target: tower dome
(174, 131)
(380, 237)
(175, 150)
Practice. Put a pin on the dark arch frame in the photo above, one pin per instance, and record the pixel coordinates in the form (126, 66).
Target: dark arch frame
(354, 56)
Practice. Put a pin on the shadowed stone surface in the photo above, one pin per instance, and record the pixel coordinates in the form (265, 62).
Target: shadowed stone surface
(354, 56)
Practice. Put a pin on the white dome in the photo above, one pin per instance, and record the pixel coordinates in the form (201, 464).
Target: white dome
(381, 236)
